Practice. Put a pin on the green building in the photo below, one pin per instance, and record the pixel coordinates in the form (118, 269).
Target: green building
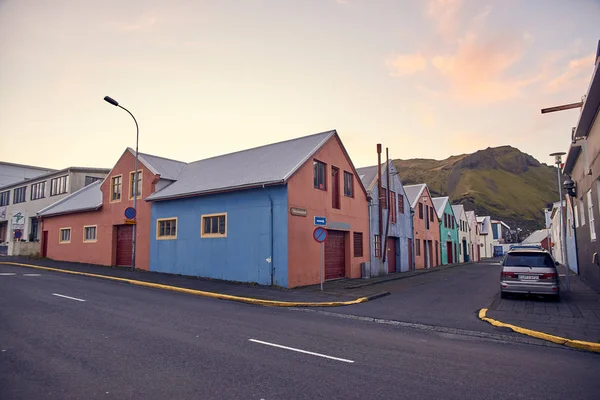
(448, 230)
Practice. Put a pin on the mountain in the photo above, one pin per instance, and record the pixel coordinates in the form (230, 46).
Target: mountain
(502, 182)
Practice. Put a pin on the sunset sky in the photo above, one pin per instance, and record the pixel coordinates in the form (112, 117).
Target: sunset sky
(428, 79)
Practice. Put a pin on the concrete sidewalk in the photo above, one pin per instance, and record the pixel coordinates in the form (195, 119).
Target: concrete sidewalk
(331, 293)
(576, 316)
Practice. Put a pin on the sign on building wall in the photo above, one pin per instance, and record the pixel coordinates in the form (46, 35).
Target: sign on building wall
(18, 220)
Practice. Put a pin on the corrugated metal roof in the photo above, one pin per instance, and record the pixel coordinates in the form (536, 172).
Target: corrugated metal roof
(368, 175)
(56, 173)
(269, 164)
(165, 167)
(458, 209)
(87, 198)
(536, 236)
(413, 192)
(471, 216)
(440, 205)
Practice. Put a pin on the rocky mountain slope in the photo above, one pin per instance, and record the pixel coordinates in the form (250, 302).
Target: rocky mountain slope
(501, 182)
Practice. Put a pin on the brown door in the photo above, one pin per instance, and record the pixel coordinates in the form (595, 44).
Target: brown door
(45, 244)
(410, 254)
(335, 255)
(335, 187)
(391, 254)
(450, 252)
(124, 243)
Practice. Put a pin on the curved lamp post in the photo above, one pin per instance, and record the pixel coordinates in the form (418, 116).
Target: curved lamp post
(135, 177)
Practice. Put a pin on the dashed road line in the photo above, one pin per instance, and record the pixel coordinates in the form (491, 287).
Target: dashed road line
(67, 297)
(7, 273)
(301, 351)
(32, 274)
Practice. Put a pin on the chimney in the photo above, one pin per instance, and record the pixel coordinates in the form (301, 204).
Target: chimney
(379, 190)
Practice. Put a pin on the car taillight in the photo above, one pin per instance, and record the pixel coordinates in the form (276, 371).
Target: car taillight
(548, 276)
(509, 275)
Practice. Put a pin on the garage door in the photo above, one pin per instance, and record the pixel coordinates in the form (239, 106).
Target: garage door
(124, 243)
(391, 254)
(335, 255)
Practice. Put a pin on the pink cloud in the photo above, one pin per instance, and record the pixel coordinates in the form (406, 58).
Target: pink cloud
(406, 64)
(577, 71)
(445, 15)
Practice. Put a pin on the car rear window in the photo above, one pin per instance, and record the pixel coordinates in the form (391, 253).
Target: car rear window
(528, 260)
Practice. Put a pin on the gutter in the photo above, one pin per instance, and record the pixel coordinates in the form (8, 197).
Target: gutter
(270, 259)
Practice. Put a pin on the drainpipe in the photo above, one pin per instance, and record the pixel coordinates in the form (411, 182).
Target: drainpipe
(270, 259)
(371, 236)
(379, 191)
(389, 209)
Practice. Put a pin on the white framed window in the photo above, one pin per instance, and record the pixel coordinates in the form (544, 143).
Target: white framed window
(64, 235)
(575, 213)
(591, 215)
(581, 212)
(214, 225)
(89, 233)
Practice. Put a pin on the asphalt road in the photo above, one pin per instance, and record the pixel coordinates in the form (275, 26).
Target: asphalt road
(128, 342)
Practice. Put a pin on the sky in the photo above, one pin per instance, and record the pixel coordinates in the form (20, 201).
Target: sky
(427, 79)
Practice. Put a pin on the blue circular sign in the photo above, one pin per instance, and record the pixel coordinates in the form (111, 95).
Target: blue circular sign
(18, 234)
(130, 213)
(320, 234)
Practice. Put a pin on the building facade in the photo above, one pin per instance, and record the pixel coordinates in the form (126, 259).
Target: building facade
(426, 226)
(475, 237)
(396, 220)
(20, 202)
(90, 226)
(229, 217)
(464, 234)
(449, 245)
(12, 173)
(485, 237)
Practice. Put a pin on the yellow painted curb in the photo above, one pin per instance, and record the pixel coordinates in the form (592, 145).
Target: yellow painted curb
(577, 344)
(250, 300)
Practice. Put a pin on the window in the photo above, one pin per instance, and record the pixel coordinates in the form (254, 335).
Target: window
(532, 260)
(591, 215)
(400, 204)
(581, 212)
(91, 179)
(166, 228)
(115, 188)
(335, 188)
(89, 233)
(64, 235)
(132, 184)
(214, 225)
(420, 210)
(59, 185)
(38, 190)
(5, 198)
(34, 229)
(319, 175)
(358, 244)
(418, 246)
(348, 184)
(576, 214)
(393, 215)
(427, 216)
(19, 195)
(431, 213)
(377, 245)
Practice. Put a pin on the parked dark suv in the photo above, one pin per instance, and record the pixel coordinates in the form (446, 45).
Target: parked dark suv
(529, 270)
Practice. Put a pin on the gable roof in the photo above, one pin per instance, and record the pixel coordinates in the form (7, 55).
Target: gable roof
(85, 199)
(440, 205)
(484, 225)
(536, 237)
(165, 167)
(471, 217)
(458, 209)
(413, 192)
(271, 164)
(368, 175)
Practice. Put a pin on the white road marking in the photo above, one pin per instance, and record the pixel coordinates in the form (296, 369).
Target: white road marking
(301, 351)
(7, 273)
(67, 297)
(32, 274)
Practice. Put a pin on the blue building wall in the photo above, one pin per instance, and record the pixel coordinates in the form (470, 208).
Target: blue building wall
(242, 255)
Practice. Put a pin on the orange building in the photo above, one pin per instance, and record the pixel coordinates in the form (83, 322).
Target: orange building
(89, 226)
(426, 227)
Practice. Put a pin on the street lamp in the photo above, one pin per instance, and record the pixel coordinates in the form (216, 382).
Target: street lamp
(558, 161)
(135, 177)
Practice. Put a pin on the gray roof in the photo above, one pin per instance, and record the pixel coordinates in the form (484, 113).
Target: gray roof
(536, 236)
(440, 205)
(56, 173)
(458, 209)
(471, 216)
(87, 198)
(413, 192)
(165, 167)
(368, 175)
(484, 225)
(266, 165)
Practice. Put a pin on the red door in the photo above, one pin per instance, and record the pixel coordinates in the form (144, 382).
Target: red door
(335, 255)
(391, 255)
(45, 244)
(450, 252)
(124, 243)
(410, 254)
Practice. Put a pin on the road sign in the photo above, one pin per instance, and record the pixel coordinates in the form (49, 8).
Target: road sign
(130, 213)
(130, 222)
(320, 221)
(18, 234)
(320, 234)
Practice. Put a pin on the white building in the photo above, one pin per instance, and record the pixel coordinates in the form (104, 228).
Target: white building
(485, 236)
(20, 202)
(474, 235)
(464, 234)
(11, 173)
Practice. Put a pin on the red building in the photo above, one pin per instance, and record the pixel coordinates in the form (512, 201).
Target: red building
(426, 225)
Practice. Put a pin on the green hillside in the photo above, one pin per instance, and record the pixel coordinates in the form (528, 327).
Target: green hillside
(501, 182)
